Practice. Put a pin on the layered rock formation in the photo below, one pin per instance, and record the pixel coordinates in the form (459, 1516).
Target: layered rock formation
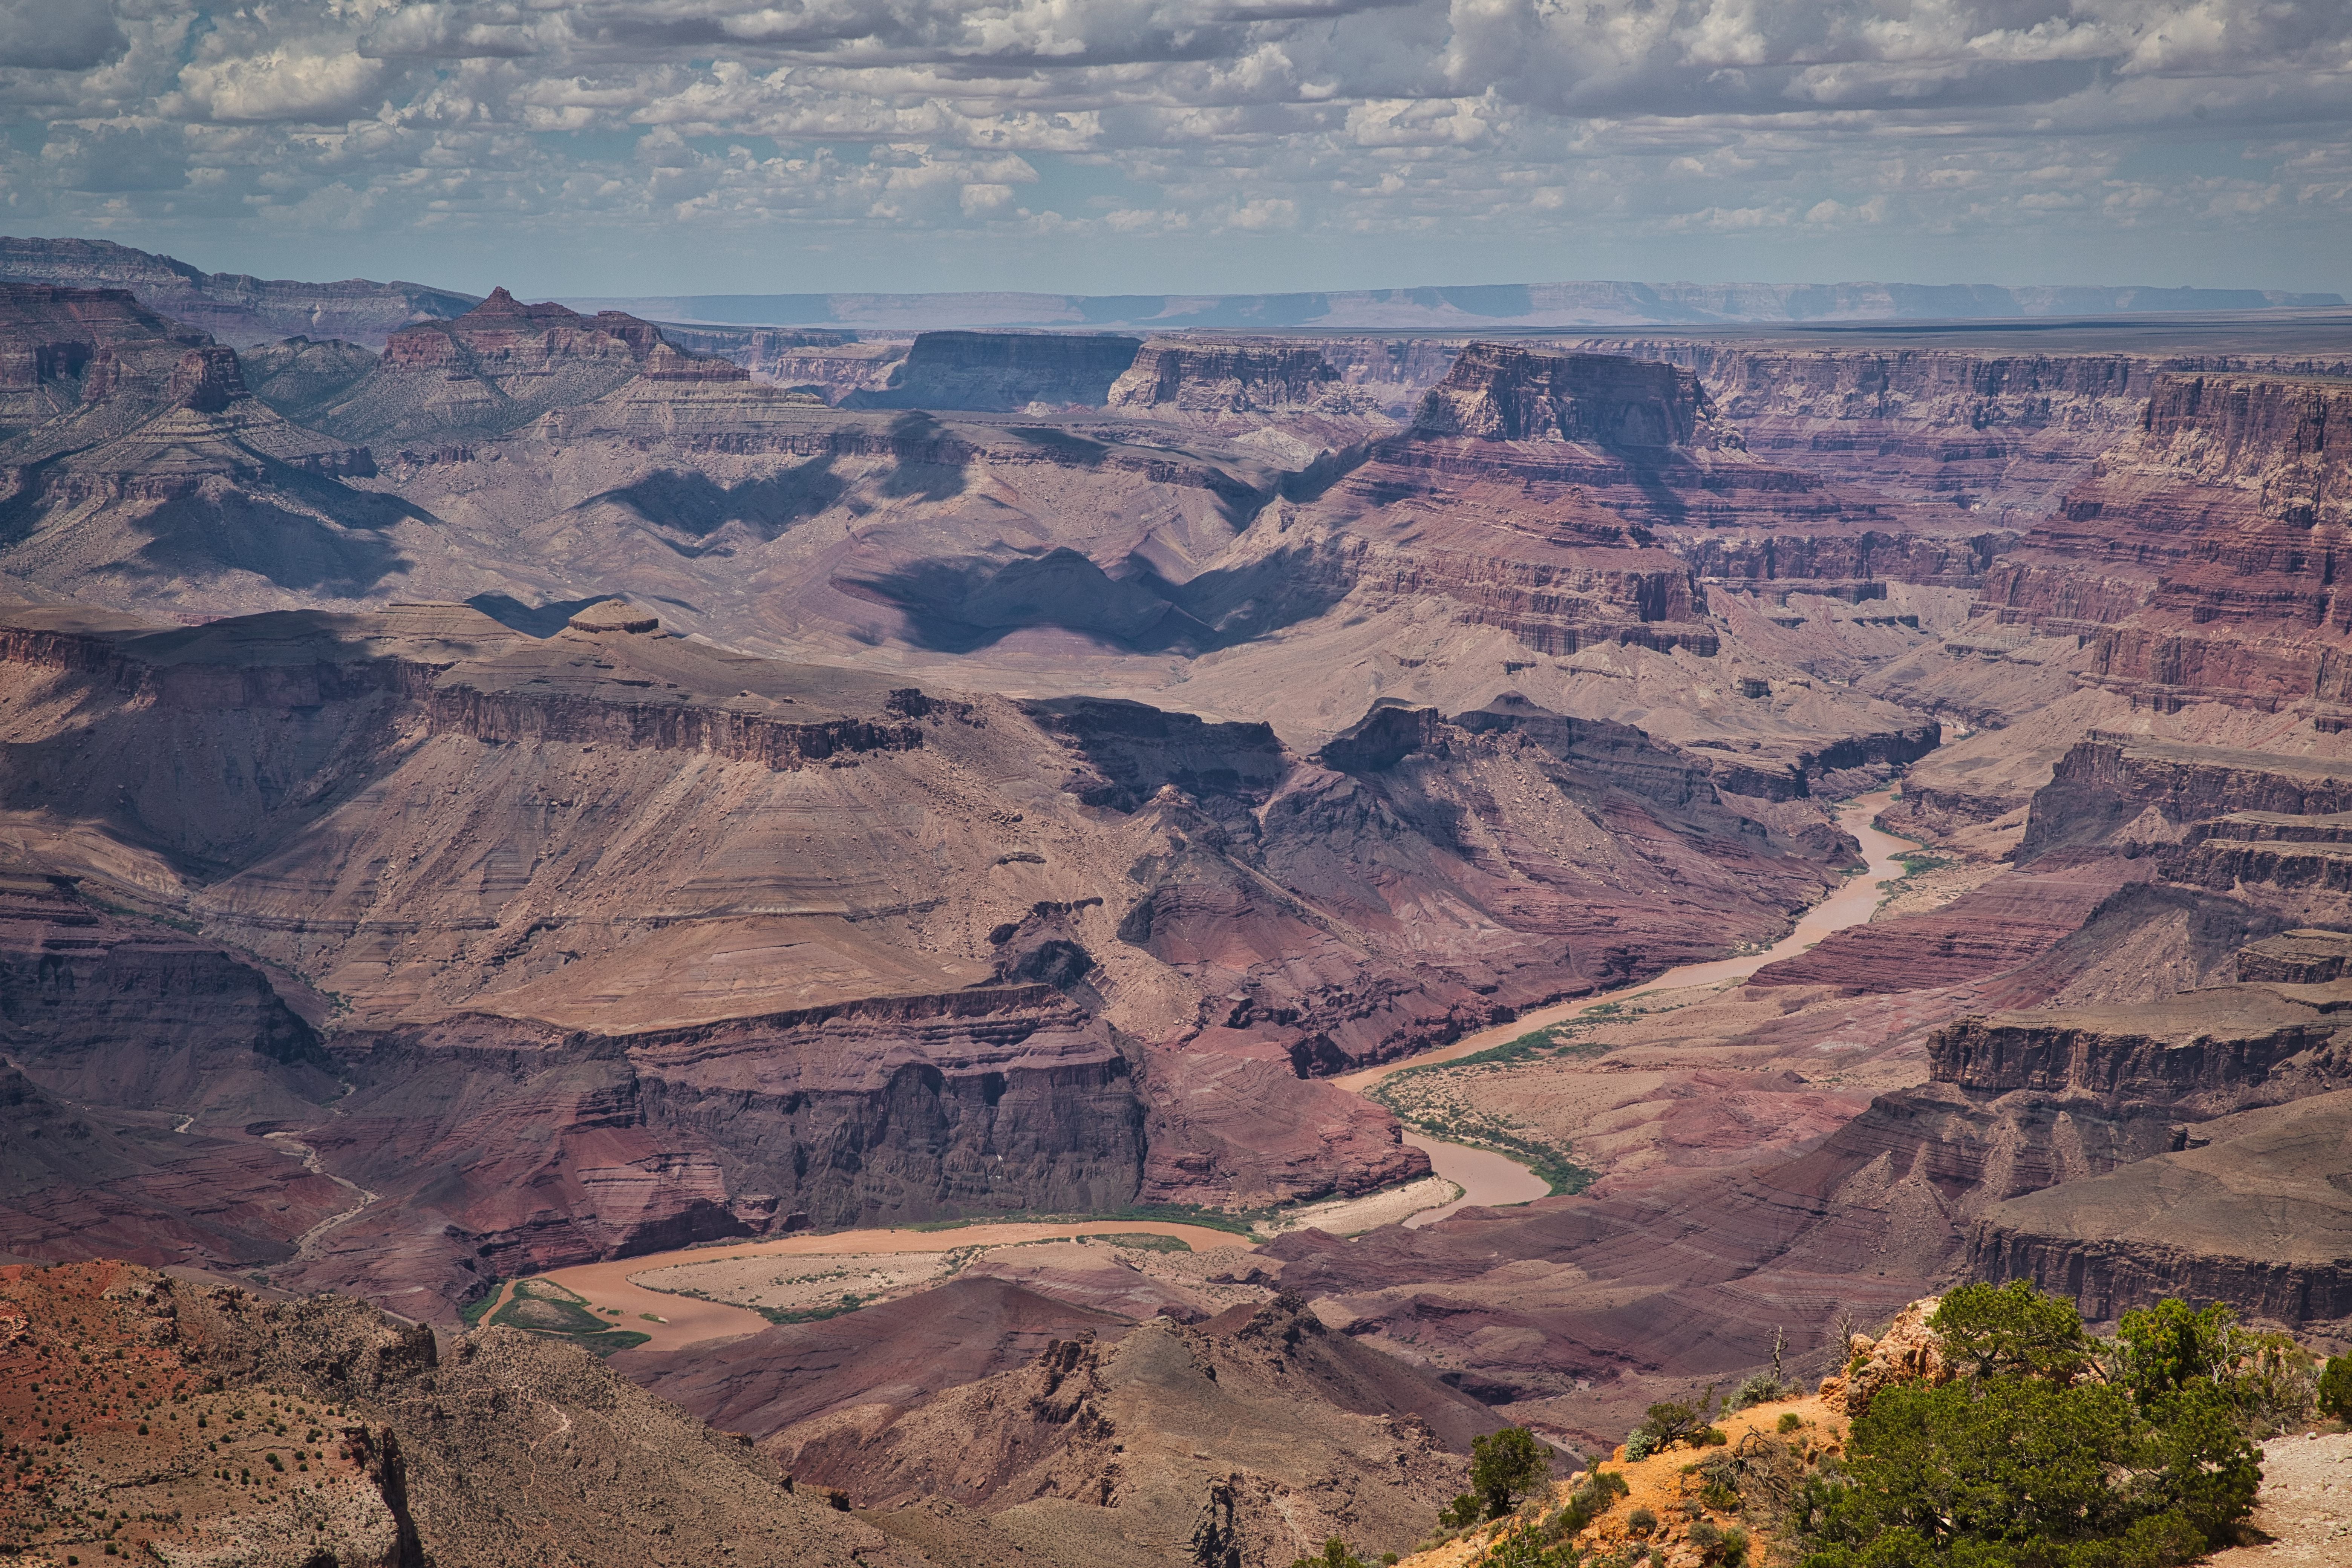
(1229, 378)
(230, 305)
(2251, 1210)
(502, 364)
(830, 366)
(679, 1016)
(2195, 557)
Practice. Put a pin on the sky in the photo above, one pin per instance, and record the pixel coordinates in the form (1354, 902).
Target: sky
(616, 147)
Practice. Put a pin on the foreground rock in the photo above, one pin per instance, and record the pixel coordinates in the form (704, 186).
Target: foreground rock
(223, 1427)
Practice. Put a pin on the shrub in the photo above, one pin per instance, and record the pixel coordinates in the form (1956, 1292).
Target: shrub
(1761, 1389)
(2334, 1391)
(1788, 1422)
(2032, 1470)
(1642, 1521)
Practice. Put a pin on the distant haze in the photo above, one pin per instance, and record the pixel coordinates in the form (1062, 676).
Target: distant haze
(1193, 147)
(1476, 308)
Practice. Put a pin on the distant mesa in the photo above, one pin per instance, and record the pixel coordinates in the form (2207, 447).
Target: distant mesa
(1499, 393)
(615, 615)
(1004, 371)
(502, 333)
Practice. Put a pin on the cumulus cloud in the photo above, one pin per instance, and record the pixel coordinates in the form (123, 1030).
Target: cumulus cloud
(1222, 121)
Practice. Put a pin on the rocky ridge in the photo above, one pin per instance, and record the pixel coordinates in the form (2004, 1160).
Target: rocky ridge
(237, 308)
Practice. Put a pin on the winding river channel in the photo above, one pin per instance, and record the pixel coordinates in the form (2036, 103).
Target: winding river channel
(1487, 1178)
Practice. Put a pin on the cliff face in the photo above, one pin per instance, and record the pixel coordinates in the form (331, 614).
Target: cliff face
(1229, 378)
(824, 365)
(1497, 393)
(1004, 371)
(544, 1148)
(2197, 558)
(2249, 1209)
(92, 361)
(235, 308)
(2111, 789)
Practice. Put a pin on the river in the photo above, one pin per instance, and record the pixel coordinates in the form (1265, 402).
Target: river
(1488, 1179)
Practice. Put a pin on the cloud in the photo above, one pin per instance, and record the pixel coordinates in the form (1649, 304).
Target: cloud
(1476, 120)
(41, 35)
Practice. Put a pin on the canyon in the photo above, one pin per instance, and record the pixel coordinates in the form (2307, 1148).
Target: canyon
(513, 789)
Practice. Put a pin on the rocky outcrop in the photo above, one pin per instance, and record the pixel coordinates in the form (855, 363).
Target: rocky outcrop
(1224, 377)
(230, 305)
(502, 364)
(502, 335)
(322, 1430)
(85, 363)
(2297, 958)
(1094, 1450)
(1005, 372)
(1497, 393)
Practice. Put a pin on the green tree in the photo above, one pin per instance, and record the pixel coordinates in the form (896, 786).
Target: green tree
(2028, 1473)
(2334, 1391)
(2167, 1348)
(2210, 1471)
(2011, 1331)
(1505, 1467)
(1335, 1554)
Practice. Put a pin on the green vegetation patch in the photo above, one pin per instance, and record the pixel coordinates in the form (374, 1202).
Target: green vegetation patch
(1143, 1241)
(542, 1307)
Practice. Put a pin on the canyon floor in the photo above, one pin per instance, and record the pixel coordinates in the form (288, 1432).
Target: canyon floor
(1081, 947)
